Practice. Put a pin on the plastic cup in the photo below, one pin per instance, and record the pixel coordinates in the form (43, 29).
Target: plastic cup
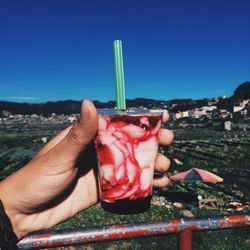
(127, 145)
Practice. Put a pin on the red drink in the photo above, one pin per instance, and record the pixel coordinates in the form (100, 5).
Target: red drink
(127, 145)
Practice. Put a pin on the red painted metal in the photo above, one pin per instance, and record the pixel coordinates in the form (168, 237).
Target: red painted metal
(185, 239)
(133, 230)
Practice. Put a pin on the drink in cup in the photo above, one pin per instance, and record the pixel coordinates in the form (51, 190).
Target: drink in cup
(127, 144)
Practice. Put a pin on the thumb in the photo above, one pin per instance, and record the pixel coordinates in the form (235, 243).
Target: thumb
(79, 136)
(82, 132)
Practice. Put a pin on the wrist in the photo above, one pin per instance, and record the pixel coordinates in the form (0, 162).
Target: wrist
(8, 238)
(15, 219)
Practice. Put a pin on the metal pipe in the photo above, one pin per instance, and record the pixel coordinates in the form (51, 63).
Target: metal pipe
(185, 239)
(57, 238)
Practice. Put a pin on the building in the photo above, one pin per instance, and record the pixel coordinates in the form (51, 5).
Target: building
(237, 108)
(182, 114)
(227, 126)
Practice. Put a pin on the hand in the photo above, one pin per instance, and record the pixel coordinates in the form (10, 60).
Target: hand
(61, 180)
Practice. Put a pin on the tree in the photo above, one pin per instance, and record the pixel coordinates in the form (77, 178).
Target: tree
(242, 91)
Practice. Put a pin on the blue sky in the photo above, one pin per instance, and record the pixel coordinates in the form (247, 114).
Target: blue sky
(56, 50)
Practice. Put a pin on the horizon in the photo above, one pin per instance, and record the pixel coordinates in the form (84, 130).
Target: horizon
(61, 50)
(75, 100)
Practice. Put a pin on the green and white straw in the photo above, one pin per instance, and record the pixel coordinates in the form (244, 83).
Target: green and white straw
(119, 76)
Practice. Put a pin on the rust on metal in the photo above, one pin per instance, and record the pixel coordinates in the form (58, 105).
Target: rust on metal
(235, 220)
(173, 225)
(126, 231)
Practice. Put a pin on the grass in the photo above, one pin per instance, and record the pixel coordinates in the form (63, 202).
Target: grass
(228, 157)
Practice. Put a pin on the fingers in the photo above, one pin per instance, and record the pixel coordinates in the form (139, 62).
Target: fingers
(165, 136)
(161, 182)
(162, 163)
(165, 117)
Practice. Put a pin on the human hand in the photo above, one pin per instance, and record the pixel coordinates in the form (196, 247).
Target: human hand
(61, 180)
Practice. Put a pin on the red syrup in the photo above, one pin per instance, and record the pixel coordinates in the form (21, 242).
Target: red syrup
(126, 147)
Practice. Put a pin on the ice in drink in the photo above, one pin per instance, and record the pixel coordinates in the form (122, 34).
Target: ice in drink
(126, 146)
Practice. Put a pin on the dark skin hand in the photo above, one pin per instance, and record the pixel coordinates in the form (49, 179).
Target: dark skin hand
(60, 180)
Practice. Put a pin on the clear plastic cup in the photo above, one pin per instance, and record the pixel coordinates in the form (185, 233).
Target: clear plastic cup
(127, 145)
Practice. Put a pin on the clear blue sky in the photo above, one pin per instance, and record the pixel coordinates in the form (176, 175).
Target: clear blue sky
(56, 50)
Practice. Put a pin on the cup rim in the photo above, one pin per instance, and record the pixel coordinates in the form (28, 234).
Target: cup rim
(113, 111)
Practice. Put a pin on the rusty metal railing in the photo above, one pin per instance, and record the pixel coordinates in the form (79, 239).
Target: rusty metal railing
(183, 226)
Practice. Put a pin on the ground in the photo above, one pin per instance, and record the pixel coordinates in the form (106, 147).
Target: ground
(223, 153)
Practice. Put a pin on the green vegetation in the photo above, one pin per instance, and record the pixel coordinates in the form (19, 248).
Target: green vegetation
(228, 156)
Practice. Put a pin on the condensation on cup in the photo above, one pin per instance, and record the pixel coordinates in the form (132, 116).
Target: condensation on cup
(127, 145)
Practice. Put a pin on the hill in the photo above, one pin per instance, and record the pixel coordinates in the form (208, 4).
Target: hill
(72, 106)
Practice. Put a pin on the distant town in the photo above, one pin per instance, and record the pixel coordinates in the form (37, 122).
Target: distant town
(231, 112)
